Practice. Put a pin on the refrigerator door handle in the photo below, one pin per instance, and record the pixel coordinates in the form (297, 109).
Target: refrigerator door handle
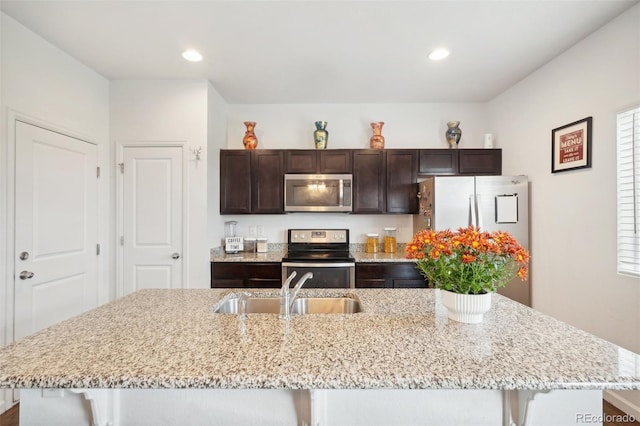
(472, 208)
(480, 223)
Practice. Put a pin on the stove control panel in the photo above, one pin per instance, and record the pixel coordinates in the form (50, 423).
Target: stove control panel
(318, 236)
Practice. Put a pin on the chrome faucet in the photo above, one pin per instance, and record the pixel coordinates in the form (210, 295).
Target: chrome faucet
(286, 299)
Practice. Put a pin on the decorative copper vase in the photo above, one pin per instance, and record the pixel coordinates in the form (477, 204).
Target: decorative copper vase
(377, 140)
(321, 135)
(250, 141)
(453, 134)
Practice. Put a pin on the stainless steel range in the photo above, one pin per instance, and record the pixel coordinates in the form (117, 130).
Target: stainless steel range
(325, 253)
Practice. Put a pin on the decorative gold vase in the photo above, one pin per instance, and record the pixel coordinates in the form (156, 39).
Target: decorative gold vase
(250, 141)
(377, 140)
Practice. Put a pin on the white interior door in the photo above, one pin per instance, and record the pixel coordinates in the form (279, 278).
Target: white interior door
(152, 200)
(56, 228)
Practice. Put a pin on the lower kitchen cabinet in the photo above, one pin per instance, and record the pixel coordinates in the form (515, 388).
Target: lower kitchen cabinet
(246, 275)
(388, 275)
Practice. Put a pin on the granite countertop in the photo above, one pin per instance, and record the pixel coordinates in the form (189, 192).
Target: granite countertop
(278, 251)
(402, 340)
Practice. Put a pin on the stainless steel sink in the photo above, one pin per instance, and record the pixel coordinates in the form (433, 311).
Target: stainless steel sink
(255, 305)
(326, 305)
(302, 305)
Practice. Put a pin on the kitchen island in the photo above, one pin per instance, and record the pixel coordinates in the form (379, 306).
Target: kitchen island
(157, 352)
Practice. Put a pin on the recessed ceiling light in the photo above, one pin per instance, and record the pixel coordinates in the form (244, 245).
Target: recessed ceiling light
(192, 55)
(438, 54)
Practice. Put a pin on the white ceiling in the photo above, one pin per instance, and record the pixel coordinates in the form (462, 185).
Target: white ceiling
(321, 51)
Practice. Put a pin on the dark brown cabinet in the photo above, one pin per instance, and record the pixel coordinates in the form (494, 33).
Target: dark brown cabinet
(460, 162)
(480, 162)
(251, 181)
(267, 181)
(318, 161)
(384, 181)
(246, 275)
(368, 181)
(235, 182)
(438, 162)
(388, 275)
(401, 181)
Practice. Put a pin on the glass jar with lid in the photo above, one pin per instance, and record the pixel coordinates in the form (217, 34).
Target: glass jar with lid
(390, 240)
(372, 243)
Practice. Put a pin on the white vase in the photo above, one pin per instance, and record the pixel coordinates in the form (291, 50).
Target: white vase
(466, 308)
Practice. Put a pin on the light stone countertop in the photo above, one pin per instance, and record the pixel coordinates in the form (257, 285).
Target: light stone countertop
(278, 251)
(402, 340)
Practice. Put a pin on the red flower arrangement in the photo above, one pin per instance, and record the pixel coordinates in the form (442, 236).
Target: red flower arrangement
(469, 261)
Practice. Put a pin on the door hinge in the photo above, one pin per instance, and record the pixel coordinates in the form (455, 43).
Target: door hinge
(122, 240)
(97, 249)
(121, 167)
(97, 172)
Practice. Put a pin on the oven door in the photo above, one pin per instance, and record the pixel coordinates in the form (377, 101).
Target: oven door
(325, 274)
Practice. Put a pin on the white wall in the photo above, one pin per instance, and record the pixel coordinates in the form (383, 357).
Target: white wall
(217, 139)
(168, 111)
(291, 127)
(42, 82)
(573, 217)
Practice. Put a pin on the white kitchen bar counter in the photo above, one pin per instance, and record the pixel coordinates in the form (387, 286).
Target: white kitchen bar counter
(401, 349)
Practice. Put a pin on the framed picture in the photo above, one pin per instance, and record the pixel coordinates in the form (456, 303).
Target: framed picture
(571, 146)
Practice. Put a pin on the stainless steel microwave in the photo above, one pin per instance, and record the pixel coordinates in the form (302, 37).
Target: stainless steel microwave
(318, 193)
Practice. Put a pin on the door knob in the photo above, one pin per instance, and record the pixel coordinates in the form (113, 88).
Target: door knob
(25, 275)
(175, 255)
(24, 255)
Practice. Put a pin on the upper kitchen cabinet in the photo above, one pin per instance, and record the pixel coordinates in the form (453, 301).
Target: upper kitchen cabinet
(401, 181)
(251, 181)
(235, 182)
(438, 162)
(267, 181)
(318, 161)
(480, 161)
(442, 162)
(368, 181)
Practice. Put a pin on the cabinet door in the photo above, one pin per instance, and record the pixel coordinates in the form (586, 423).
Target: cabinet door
(371, 283)
(235, 181)
(368, 181)
(267, 173)
(371, 275)
(335, 161)
(438, 162)
(402, 181)
(262, 283)
(409, 283)
(480, 161)
(388, 275)
(301, 161)
(246, 274)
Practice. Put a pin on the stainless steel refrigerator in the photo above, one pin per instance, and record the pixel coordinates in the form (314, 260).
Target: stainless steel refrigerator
(489, 202)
